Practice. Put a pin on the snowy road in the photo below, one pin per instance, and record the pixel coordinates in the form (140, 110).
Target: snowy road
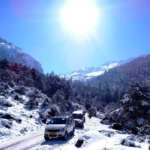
(23, 143)
(96, 135)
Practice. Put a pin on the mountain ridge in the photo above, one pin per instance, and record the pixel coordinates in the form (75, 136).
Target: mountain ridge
(14, 54)
(91, 72)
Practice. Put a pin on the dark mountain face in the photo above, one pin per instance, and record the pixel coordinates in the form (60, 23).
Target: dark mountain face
(14, 54)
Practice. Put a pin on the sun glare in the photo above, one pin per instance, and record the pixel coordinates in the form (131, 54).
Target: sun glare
(80, 17)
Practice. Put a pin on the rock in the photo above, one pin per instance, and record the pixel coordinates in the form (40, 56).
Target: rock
(20, 90)
(117, 126)
(4, 102)
(134, 130)
(24, 130)
(6, 123)
(129, 143)
(10, 117)
(6, 116)
(18, 120)
(79, 143)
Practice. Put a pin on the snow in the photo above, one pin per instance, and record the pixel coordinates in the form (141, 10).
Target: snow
(74, 74)
(88, 73)
(110, 66)
(94, 74)
(28, 124)
(102, 71)
(6, 45)
(78, 112)
(2, 43)
(95, 137)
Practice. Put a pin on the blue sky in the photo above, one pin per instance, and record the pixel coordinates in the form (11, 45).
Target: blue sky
(33, 25)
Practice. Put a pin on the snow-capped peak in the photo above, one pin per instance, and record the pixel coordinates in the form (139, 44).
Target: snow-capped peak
(89, 73)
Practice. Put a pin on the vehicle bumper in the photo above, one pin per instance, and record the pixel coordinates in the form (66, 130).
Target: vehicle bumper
(54, 135)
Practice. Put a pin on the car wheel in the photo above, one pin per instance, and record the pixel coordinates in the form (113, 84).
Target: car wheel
(65, 136)
(46, 137)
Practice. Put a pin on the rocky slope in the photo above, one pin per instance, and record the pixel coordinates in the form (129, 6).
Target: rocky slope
(17, 115)
(14, 54)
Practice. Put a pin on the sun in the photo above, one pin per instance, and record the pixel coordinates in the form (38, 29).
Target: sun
(80, 17)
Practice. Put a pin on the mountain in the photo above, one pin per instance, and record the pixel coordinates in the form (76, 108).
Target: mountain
(89, 73)
(14, 54)
(110, 86)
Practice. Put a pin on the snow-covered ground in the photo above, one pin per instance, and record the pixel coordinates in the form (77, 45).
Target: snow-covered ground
(28, 125)
(96, 137)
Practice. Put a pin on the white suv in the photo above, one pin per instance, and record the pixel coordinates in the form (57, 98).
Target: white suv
(59, 127)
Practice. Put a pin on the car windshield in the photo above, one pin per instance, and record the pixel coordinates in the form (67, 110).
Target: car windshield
(57, 121)
(77, 116)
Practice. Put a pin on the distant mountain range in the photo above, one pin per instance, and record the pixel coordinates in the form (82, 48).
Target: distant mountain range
(16, 55)
(89, 73)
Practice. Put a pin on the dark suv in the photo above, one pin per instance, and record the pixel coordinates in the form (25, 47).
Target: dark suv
(59, 127)
(79, 118)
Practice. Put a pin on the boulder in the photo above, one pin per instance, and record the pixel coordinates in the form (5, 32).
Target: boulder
(79, 142)
(117, 126)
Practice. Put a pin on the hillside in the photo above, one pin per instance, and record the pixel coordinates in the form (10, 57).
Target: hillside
(111, 86)
(16, 55)
(28, 97)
